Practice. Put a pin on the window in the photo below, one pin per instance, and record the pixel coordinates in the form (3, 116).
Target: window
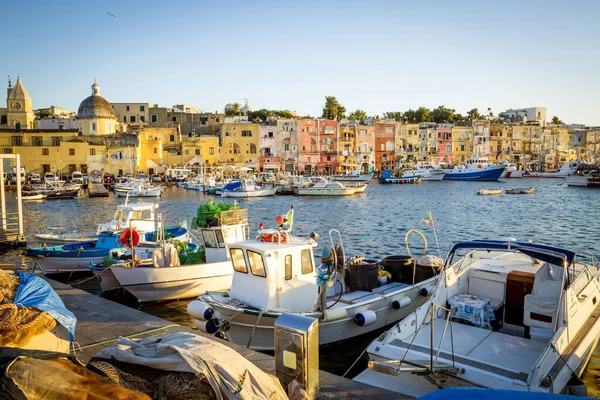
(17, 141)
(382, 147)
(238, 260)
(174, 119)
(197, 152)
(448, 148)
(92, 152)
(61, 127)
(172, 138)
(155, 150)
(71, 152)
(127, 107)
(305, 259)
(286, 147)
(252, 148)
(210, 241)
(187, 152)
(154, 118)
(37, 141)
(45, 152)
(94, 127)
(246, 133)
(288, 266)
(236, 148)
(227, 133)
(55, 141)
(132, 118)
(142, 118)
(17, 127)
(270, 134)
(363, 131)
(211, 151)
(124, 118)
(8, 151)
(142, 108)
(257, 265)
(329, 130)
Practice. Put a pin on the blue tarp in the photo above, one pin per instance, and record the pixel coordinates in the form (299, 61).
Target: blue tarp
(232, 186)
(491, 394)
(35, 292)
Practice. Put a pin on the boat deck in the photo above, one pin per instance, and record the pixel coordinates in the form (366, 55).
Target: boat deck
(495, 352)
(360, 296)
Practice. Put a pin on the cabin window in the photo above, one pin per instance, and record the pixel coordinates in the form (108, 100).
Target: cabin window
(307, 265)
(220, 240)
(288, 267)
(257, 265)
(238, 260)
(210, 240)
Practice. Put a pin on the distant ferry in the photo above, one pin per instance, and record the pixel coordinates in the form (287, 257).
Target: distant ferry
(475, 169)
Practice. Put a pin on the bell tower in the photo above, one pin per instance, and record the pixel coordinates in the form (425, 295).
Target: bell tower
(20, 111)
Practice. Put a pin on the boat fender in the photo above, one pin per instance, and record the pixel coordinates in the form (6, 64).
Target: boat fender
(365, 318)
(576, 387)
(200, 310)
(426, 291)
(403, 302)
(334, 314)
(211, 326)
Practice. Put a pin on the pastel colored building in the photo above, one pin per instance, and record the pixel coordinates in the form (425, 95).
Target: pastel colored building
(462, 138)
(287, 141)
(95, 115)
(239, 146)
(407, 143)
(328, 145)
(347, 147)
(444, 143)
(19, 111)
(365, 148)
(384, 145)
(308, 137)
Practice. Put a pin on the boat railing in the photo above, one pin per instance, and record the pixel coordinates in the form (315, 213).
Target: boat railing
(234, 217)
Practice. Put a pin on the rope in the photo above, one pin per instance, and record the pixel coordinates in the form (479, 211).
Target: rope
(254, 328)
(38, 321)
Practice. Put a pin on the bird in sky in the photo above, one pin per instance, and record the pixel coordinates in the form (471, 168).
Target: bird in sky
(111, 14)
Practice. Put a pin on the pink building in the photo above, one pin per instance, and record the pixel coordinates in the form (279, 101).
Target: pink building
(444, 144)
(308, 161)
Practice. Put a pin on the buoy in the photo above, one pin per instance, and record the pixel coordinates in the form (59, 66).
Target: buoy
(576, 387)
(365, 318)
(426, 291)
(333, 314)
(130, 237)
(403, 302)
(200, 310)
(210, 326)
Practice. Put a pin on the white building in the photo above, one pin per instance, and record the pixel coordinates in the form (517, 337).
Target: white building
(522, 115)
(267, 140)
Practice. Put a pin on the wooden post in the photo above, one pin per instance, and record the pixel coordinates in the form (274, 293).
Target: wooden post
(3, 194)
(19, 198)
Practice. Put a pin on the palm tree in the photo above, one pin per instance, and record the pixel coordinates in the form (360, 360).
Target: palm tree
(236, 109)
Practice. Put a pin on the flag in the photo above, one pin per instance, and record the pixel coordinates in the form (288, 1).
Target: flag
(428, 219)
(286, 219)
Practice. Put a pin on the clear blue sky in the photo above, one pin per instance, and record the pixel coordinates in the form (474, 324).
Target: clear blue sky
(375, 55)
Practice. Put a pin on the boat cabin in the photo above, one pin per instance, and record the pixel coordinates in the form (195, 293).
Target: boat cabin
(273, 275)
(140, 216)
(231, 227)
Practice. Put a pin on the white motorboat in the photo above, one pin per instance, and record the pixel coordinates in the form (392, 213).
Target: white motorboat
(245, 188)
(275, 274)
(429, 172)
(354, 176)
(475, 169)
(504, 315)
(164, 278)
(566, 169)
(589, 178)
(325, 188)
(512, 171)
(33, 197)
(141, 191)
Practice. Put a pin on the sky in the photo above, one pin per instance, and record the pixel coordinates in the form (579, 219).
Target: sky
(374, 55)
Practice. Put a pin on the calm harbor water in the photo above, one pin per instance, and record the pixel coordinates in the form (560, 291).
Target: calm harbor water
(374, 224)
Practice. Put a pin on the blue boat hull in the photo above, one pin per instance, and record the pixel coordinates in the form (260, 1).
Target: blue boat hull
(401, 180)
(479, 175)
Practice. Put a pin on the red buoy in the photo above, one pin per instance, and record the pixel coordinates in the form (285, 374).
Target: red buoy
(130, 238)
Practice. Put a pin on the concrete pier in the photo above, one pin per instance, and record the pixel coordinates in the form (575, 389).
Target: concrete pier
(100, 322)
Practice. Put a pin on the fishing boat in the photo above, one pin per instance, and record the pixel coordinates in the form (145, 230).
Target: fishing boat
(140, 190)
(62, 194)
(587, 175)
(512, 171)
(402, 178)
(276, 274)
(76, 257)
(566, 169)
(354, 176)
(489, 192)
(519, 190)
(325, 188)
(166, 278)
(504, 315)
(245, 188)
(475, 169)
(429, 172)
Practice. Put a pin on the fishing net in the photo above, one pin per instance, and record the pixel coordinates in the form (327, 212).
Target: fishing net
(19, 324)
(158, 384)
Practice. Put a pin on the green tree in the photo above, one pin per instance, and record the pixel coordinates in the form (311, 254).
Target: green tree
(284, 114)
(423, 114)
(234, 109)
(556, 121)
(442, 115)
(459, 118)
(395, 115)
(410, 116)
(259, 115)
(43, 113)
(358, 115)
(473, 114)
(333, 109)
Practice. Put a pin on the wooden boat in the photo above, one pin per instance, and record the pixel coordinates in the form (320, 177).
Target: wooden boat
(519, 190)
(506, 315)
(62, 194)
(489, 192)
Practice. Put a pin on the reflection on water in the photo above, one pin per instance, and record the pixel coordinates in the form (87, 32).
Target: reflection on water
(374, 224)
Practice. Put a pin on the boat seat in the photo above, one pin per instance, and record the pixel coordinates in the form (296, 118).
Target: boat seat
(541, 306)
(488, 284)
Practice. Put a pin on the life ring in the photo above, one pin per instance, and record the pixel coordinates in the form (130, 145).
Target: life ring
(130, 237)
(273, 237)
(479, 166)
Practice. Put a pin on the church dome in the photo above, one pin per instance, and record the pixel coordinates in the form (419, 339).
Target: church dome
(18, 92)
(95, 106)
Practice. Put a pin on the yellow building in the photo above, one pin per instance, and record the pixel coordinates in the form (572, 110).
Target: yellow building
(347, 148)
(462, 139)
(96, 115)
(240, 141)
(19, 113)
(206, 148)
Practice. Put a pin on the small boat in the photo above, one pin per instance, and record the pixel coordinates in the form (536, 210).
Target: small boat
(62, 194)
(140, 191)
(275, 274)
(512, 171)
(489, 192)
(354, 176)
(402, 179)
(504, 315)
(325, 188)
(475, 169)
(519, 190)
(566, 169)
(587, 175)
(245, 188)
(33, 196)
